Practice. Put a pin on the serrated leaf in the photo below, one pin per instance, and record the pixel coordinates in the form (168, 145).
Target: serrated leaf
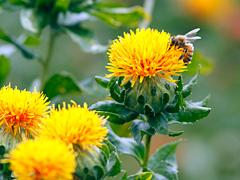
(163, 161)
(116, 112)
(5, 67)
(178, 100)
(191, 112)
(141, 176)
(110, 159)
(159, 123)
(127, 146)
(179, 87)
(139, 128)
(187, 89)
(61, 84)
(204, 102)
(116, 93)
(119, 16)
(113, 165)
(102, 81)
(85, 39)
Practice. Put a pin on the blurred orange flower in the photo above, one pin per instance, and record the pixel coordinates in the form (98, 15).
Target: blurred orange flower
(207, 9)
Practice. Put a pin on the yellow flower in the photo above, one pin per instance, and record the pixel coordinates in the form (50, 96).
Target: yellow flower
(21, 111)
(42, 159)
(76, 126)
(144, 53)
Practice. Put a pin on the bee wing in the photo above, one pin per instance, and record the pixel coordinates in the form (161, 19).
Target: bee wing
(192, 33)
(193, 39)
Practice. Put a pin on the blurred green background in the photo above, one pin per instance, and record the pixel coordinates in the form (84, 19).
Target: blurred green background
(211, 147)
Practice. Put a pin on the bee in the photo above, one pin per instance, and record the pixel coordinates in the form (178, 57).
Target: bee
(186, 42)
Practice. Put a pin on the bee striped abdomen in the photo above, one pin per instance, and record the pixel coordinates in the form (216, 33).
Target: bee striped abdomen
(185, 42)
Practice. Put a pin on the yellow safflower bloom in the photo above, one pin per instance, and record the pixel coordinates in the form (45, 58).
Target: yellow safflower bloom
(21, 111)
(144, 53)
(42, 159)
(75, 125)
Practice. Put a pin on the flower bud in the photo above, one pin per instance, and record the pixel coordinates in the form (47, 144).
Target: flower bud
(152, 92)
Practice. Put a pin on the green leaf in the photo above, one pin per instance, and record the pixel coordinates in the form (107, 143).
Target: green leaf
(2, 150)
(178, 100)
(32, 40)
(204, 102)
(115, 91)
(85, 39)
(159, 123)
(191, 112)
(127, 146)
(159, 177)
(120, 16)
(61, 84)
(61, 5)
(102, 81)
(110, 159)
(116, 112)
(98, 172)
(187, 89)
(205, 63)
(18, 2)
(28, 20)
(139, 128)
(5, 67)
(27, 53)
(163, 161)
(113, 165)
(175, 133)
(141, 176)
(71, 19)
(4, 36)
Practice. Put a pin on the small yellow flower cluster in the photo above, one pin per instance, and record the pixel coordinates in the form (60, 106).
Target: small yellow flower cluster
(50, 155)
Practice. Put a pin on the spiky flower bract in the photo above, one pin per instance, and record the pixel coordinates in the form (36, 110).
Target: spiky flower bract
(42, 159)
(76, 126)
(144, 53)
(21, 112)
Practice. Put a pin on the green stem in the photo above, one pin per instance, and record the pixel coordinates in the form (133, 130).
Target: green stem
(148, 8)
(46, 62)
(147, 151)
